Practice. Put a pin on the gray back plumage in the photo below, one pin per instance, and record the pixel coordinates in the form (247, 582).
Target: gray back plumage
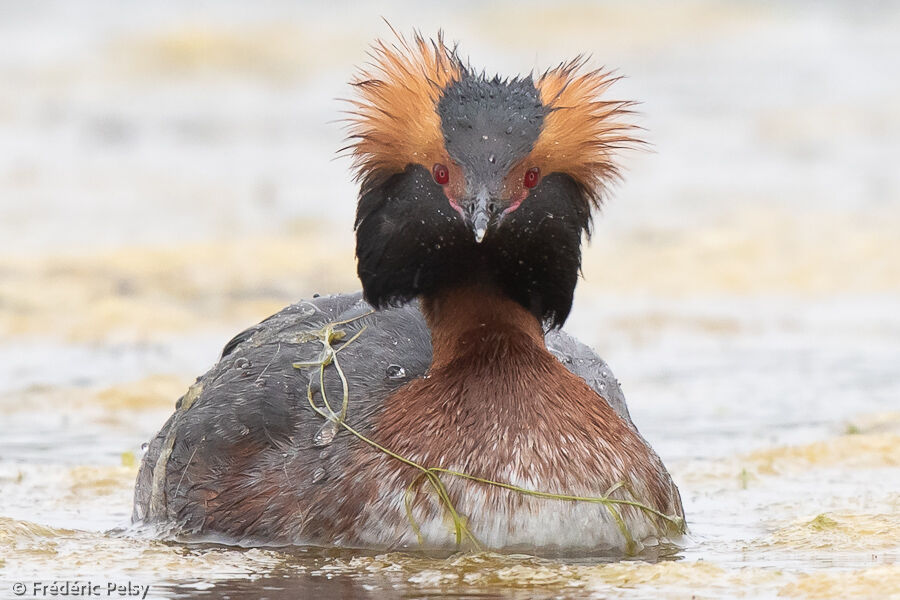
(254, 397)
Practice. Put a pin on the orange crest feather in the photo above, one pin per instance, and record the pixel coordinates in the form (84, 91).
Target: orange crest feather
(582, 133)
(395, 120)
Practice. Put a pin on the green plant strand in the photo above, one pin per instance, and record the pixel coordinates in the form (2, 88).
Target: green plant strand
(327, 334)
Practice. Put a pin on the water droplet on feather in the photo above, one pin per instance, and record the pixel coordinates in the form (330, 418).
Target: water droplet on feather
(318, 475)
(395, 372)
(326, 434)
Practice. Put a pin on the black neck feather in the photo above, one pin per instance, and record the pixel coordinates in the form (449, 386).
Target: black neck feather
(410, 242)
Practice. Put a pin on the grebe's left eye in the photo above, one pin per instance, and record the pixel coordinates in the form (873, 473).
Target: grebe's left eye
(441, 174)
(532, 177)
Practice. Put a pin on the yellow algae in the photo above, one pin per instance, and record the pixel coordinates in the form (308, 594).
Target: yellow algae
(841, 531)
(12, 531)
(90, 481)
(882, 422)
(37, 551)
(152, 392)
(79, 496)
(490, 571)
(752, 252)
(62, 489)
(629, 574)
(685, 579)
(145, 293)
(109, 405)
(129, 460)
(25, 540)
(276, 52)
(855, 451)
(882, 582)
(873, 441)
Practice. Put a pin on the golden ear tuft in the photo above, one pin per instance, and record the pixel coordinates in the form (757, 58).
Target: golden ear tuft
(581, 132)
(394, 120)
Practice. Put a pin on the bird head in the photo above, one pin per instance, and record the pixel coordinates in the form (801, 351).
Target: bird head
(469, 178)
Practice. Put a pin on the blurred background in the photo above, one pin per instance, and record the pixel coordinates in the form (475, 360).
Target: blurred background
(168, 176)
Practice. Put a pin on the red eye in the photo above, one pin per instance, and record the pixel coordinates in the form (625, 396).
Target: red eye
(441, 174)
(532, 176)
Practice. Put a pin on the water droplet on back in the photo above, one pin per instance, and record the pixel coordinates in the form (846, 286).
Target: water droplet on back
(395, 372)
(326, 434)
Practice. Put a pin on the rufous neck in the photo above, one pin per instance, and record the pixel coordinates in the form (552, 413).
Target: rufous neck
(460, 318)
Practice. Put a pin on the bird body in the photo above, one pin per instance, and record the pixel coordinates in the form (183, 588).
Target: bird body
(443, 407)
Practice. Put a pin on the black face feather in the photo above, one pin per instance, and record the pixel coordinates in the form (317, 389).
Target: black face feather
(536, 250)
(410, 242)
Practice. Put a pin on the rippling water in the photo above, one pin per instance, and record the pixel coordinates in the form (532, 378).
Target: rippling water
(166, 178)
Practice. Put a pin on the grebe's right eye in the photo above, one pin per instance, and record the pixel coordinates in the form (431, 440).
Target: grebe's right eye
(532, 177)
(441, 174)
